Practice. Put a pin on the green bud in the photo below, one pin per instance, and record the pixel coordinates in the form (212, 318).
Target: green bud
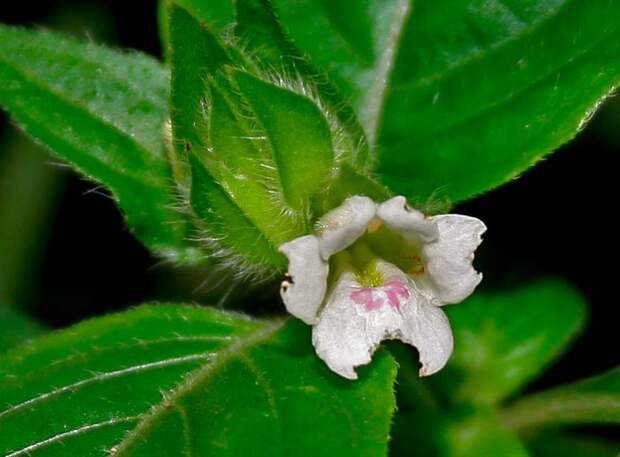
(258, 156)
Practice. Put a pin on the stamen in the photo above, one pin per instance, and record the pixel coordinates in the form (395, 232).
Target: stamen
(417, 267)
(374, 225)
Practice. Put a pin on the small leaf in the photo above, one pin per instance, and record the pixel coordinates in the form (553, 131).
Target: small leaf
(299, 135)
(504, 340)
(104, 112)
(591, 401)
(269, 150)
(175, 380)
(486, 87)
(241, 160)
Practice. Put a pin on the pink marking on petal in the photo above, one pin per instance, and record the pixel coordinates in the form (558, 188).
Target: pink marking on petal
(366, 297)
(394, 289)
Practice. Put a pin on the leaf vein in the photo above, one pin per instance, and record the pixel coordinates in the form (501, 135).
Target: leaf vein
(103, 377)
(372, 113)
(70, 434)
(199, 376)
(248, 361)
(86, 356)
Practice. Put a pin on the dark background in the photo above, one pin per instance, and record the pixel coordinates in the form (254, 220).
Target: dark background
(556, 220)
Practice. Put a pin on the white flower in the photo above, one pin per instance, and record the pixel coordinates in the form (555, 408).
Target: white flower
(381, 271)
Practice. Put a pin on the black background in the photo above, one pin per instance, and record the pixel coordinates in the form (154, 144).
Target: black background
(556, 220)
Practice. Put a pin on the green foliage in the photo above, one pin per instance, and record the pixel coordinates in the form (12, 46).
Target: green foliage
(487, 87)
(500, 89)
(506, 339)
(171, 379)
(231, 233)
(103, 111)
(251, 142)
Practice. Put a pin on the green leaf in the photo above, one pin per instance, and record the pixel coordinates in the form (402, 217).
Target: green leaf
(104, 112)
(16, 327)
(505, 339)
(486, 87)
(173, 380)
(257, 27)
(595, 400)
(299, 136)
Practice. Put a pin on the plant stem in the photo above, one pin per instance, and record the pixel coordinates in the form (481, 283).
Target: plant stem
(553, 407)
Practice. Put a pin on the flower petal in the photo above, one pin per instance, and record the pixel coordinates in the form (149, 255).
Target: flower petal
(449, 271)
(407, 221)
(304, 290)
(348, 332)
(339, 228)
(428, 329)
